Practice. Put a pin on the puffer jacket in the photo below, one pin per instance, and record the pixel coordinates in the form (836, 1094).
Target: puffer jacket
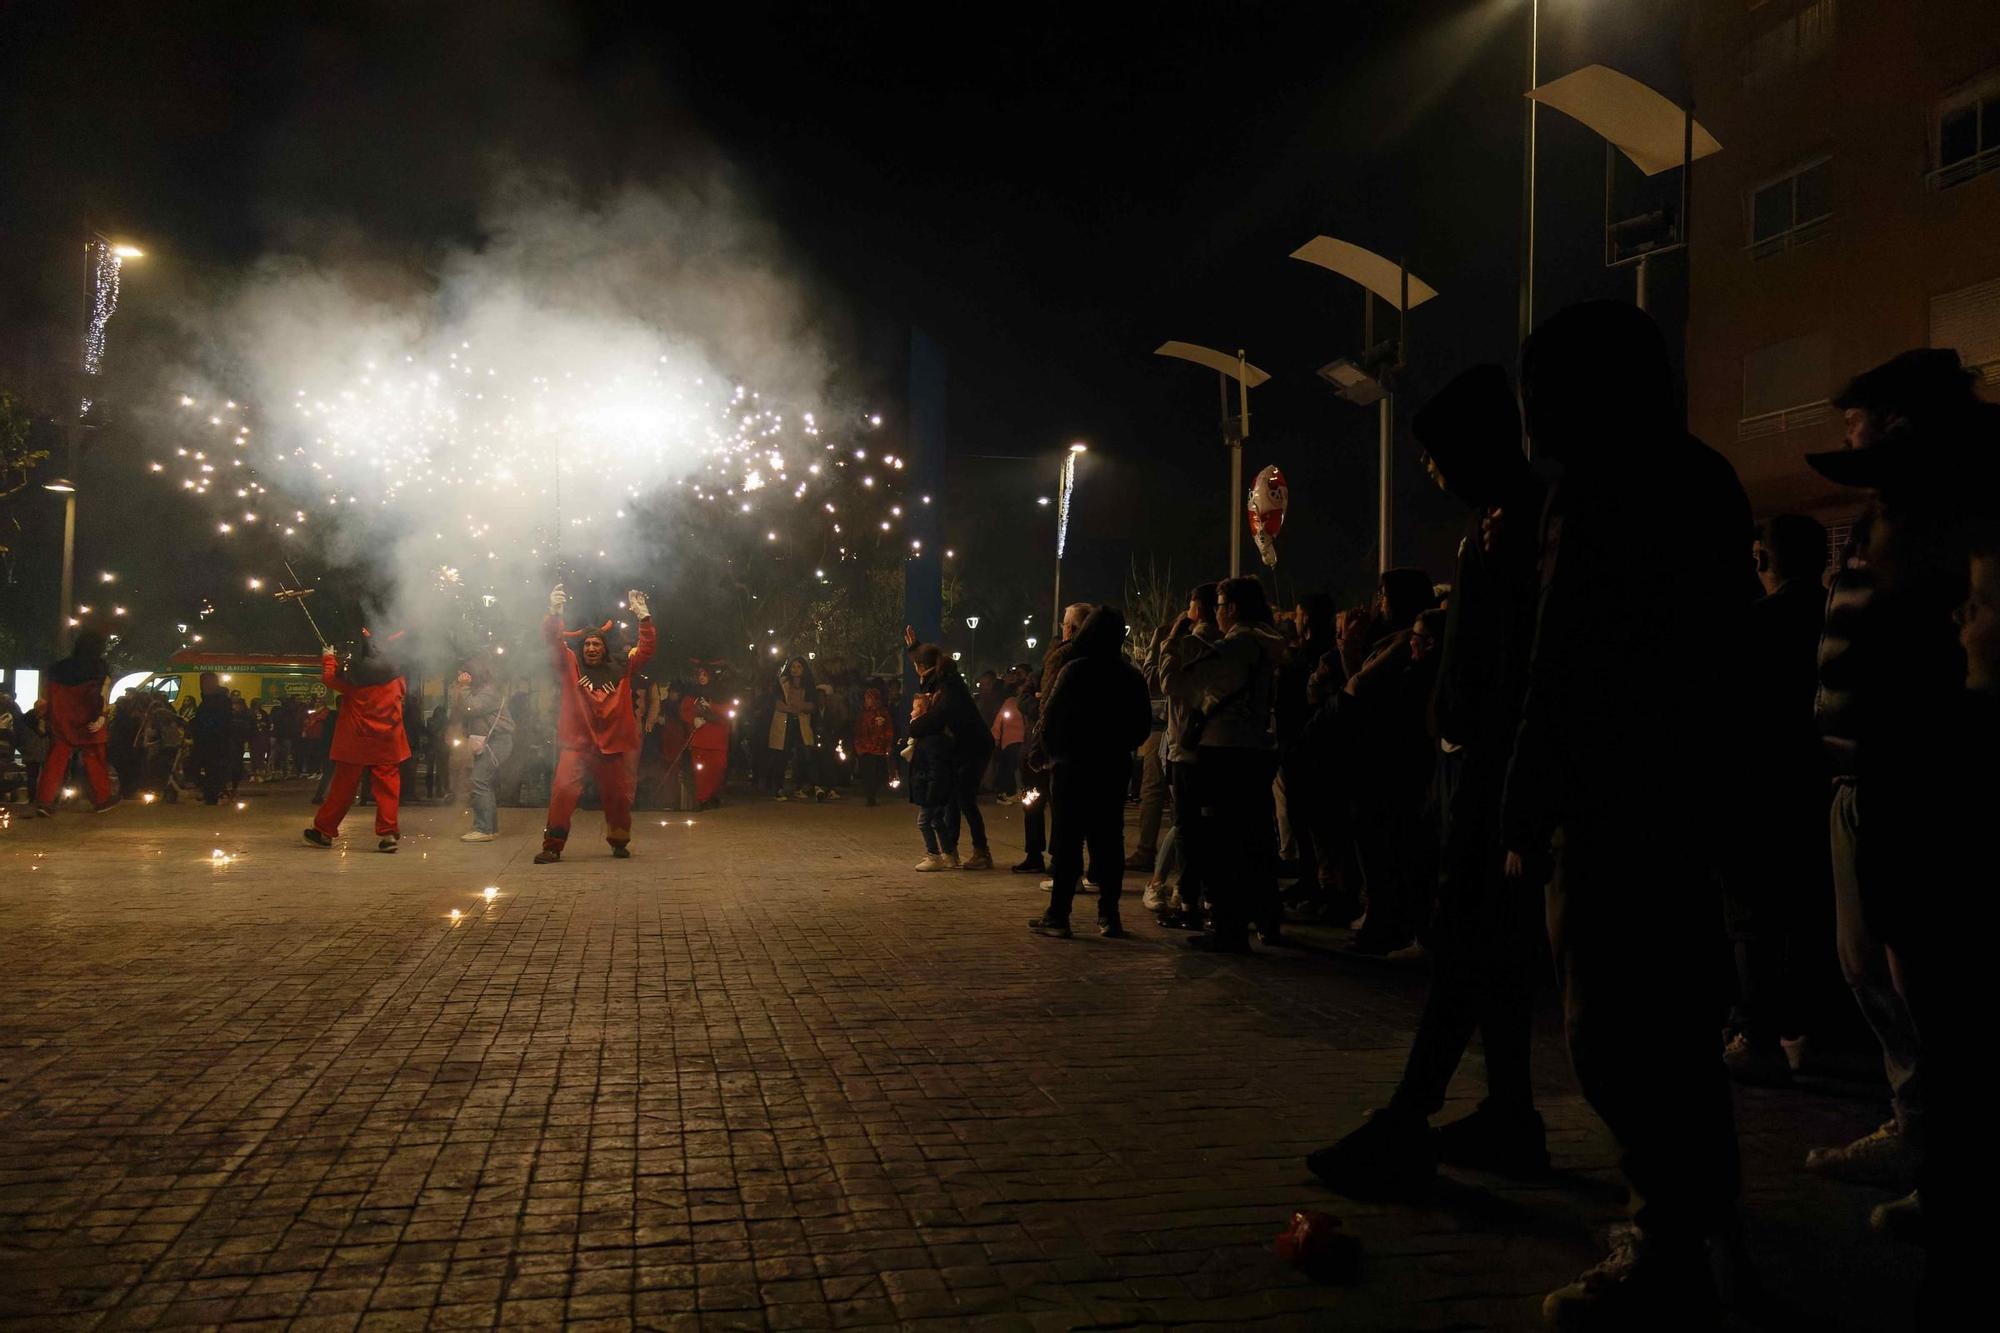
(1239, 671)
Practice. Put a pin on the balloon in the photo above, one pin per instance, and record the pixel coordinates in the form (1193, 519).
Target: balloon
(1268, 500)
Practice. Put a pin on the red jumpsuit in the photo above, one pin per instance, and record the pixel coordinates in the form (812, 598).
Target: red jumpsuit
(72, 708)
(368, 734)
(709, 744)
(596, 729)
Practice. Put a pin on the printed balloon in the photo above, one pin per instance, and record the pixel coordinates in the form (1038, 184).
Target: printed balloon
(1269, 498)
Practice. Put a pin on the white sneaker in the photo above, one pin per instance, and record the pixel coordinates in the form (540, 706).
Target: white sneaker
(1884, 1158)
(933, 862)
(477, 837)
(1154, 898)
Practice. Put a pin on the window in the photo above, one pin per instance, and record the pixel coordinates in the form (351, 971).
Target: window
(1792, 209)
(1969, 320)
(1967, 134)
(1800, 38)
(1785, 386)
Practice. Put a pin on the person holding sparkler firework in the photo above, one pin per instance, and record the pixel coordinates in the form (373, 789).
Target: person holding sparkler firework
(368, 733)
(596, 725)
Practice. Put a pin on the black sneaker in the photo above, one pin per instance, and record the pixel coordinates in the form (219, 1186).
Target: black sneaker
(1392, 1155)
(388, 844)
(1032, 866)
(1110, 927)
(1044, 925)
(622, 852)
(318, 839)
(1511, 1143)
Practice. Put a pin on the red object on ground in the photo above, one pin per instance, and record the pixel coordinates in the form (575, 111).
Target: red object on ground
(1315, 1245)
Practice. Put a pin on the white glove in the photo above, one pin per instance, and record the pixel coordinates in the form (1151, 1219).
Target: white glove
(637, 601)
(557, 597)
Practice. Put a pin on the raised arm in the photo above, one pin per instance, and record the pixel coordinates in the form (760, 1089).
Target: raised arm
(648, 636)
(329, 671)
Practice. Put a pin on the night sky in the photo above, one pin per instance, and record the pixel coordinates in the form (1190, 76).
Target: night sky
(1049, 198)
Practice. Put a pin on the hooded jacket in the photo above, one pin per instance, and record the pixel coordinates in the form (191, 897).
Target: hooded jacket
(596, 716)
(1099, 711)
(1239, 672)
(1177, 709)
(953, 714)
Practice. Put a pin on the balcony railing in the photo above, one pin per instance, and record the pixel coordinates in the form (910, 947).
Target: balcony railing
(1963, 170)
(1789, 418)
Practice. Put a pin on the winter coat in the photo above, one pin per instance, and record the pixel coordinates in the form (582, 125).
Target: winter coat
(1177, 710)
(596, 717)
(1008, 727)
(369, 728)
(1621, 718)
(1100, 710)
(1387, 709)
(933, 776)
(874, 733)
(1889, 659)
(953, 714)
(792, 699)
(1238, 671)
(212, 724)
(481, 712)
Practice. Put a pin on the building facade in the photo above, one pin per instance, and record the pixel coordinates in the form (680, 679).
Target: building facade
(1853, 213)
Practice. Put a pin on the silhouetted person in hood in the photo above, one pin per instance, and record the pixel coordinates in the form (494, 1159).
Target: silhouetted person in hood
(1487, 940)
(1623, 770)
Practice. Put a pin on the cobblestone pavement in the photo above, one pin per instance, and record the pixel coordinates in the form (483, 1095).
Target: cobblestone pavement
(762, 1076)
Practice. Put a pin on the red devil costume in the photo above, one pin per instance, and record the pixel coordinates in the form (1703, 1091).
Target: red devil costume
(368, 733)
(76, 697)
(596, 728)
(707, 721)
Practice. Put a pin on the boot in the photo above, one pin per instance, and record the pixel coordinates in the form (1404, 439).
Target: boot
(1392, 1155)
(1511, 1143)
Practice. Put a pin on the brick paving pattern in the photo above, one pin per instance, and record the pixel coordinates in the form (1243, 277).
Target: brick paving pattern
(760, 1077)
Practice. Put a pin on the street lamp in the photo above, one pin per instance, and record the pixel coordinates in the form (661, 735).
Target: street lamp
(1234, 432)
(1371, 379)
(972, 646)
(1655, 135)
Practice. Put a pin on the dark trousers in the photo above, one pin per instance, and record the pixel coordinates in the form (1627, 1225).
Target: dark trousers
(1632, 922)
(1488, 952)
(871, 770)
(1395, 839)
(213, 766)
(967, 804)
(1778, 906)
(1187, 830)
(1237, 843)
(1089, 811)
(1034, 815)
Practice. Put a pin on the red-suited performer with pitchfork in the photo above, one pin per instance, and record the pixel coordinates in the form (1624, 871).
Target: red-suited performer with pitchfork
(596, 727)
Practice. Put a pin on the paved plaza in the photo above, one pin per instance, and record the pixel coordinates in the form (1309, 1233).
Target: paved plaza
(761, 1076)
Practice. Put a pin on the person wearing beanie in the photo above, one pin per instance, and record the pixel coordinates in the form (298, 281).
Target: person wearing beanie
(596, 727)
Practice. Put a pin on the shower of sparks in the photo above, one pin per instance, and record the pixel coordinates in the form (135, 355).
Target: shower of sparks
(106, 264)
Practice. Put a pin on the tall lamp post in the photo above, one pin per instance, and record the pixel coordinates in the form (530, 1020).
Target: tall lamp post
(104, 260)
(1655, 135)
(1234, 430)
(1371, 379)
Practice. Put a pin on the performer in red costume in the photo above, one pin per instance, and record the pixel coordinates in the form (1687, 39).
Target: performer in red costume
(708, 738)
(596, 726)
(368, 733)
(76, 693)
